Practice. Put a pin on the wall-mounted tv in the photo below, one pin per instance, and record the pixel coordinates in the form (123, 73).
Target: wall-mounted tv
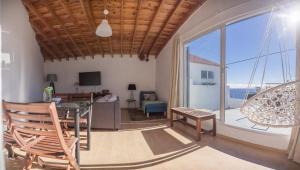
(90, 78)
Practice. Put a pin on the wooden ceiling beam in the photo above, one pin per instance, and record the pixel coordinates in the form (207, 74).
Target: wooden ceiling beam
(159, 8)
(181, 22)
(121, 27)
(56, 48)
(91, 24)
(61, 23)
(75, 21)
(63, 26)
(46, 55)
(28, 4)
(109, 38)
(179, 3)
(43, 45)
(135, 25)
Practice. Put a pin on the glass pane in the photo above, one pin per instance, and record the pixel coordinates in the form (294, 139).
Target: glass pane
(210, 75)
(204, 72)
(244, 41)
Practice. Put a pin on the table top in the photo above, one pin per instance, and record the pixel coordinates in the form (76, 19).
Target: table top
(130, 100)
(74, 104)
(198, 113)
(80, 106)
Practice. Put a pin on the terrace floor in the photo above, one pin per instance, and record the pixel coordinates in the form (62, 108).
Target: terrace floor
(234, 117)
(154, 145)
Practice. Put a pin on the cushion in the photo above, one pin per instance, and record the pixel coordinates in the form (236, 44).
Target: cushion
(146, 96)
(150, 97)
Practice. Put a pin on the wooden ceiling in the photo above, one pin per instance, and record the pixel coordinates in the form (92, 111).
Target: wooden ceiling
(66, 28)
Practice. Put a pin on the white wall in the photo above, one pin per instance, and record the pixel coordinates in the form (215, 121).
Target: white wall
(211, 14)
(2, 166)
(195, 73)
(116, 74)
(22, 62)
(205, 97)
(198, 93)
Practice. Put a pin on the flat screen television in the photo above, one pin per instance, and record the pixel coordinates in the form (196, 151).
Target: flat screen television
(90, 78)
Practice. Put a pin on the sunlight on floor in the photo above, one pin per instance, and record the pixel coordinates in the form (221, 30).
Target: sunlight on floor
(178, 136)
(161, 147)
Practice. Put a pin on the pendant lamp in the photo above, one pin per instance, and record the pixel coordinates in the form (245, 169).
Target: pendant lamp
(104, 29)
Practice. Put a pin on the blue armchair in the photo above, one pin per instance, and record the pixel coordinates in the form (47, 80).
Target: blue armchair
(153, 105)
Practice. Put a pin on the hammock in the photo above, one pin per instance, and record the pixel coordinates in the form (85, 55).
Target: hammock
(276, 106)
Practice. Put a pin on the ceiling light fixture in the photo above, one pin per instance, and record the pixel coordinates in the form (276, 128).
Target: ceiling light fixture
(104, 29)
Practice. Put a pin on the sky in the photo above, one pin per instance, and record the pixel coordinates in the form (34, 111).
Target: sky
(244, 39)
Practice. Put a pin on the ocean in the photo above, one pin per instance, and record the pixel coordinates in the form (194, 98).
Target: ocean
(240, 93)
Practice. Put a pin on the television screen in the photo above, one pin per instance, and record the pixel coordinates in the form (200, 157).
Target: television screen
(90, 78)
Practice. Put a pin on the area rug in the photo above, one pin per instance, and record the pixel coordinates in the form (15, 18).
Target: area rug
(138, 115)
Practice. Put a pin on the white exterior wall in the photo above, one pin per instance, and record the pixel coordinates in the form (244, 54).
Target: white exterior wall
(199, 93)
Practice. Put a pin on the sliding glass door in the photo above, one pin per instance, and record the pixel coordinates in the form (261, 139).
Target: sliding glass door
(258, 43)
(256, 53)
(203, 72)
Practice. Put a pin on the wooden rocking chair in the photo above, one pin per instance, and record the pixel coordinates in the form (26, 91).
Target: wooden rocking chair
(36, 129)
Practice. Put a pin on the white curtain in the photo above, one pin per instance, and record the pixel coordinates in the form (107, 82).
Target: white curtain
(176, 78)
(294, 146)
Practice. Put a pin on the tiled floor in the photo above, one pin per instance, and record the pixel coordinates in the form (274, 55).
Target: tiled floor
(154, 145)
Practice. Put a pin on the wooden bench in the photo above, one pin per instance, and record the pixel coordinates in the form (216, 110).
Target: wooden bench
(197, 116)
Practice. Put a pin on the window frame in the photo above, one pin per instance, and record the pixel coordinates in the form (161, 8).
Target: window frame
(204, 73)
(186, 68)
(222, 28)
(212, 75)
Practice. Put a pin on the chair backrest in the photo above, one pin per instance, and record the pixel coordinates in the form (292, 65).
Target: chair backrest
(30, 122)
(81, 97)
(142, 96)
(64, 96)
(69, 97)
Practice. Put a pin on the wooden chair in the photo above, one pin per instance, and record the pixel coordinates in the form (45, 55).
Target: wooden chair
(36, 129)
(9, 142)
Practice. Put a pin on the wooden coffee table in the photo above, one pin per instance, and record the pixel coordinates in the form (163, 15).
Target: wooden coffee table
(196, 115)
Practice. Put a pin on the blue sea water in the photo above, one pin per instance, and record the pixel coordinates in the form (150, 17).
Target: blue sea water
(240, 93)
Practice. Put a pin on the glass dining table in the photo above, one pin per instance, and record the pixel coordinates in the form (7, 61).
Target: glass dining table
(77, 110)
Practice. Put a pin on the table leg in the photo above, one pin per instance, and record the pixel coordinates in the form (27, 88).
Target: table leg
(77, 135)
(198, 129)
(89, 130)
(171, 119)
(214, 126)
